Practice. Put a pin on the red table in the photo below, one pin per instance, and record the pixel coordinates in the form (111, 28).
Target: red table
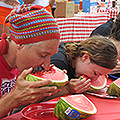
(80, 26)
(107, 109)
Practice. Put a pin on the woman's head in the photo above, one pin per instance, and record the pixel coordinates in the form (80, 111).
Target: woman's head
(100, 49)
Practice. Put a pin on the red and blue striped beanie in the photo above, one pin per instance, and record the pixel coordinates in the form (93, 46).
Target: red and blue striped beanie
(30, 24)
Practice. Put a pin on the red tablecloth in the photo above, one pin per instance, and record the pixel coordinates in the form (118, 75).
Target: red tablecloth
(112, 12)
(80, 26)
(107, 109)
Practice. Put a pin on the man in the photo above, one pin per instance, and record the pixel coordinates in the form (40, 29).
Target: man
(34, 37)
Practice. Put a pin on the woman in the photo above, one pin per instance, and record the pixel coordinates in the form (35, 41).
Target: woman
(93, 57)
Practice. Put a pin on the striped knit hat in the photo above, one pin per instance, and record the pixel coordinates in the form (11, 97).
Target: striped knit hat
(30, 24)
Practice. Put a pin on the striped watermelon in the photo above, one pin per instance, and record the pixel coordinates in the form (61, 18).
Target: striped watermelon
(114, 88)
(58, 77)
(96, 84)
(74, 107)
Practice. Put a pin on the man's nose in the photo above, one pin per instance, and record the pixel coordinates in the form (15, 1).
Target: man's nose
(46, 64)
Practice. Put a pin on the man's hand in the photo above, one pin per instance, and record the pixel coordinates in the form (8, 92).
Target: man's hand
(26, 92)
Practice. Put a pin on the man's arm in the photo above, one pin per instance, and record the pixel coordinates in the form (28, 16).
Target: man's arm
(7, 104)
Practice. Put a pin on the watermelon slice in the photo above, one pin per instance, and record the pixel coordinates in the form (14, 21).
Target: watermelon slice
(114, 88)
(74, 107)
(58, 77)
(98, 84)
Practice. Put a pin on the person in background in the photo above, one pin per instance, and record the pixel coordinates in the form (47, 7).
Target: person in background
(51, 2)
(115, 34)
(92, 57)
(115, 38)
(107, 29)
(34, 37)
(45, 3)
(5, 8)
(53, 6)
(104, 29)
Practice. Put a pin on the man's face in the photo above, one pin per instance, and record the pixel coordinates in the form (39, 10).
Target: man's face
(36, 55)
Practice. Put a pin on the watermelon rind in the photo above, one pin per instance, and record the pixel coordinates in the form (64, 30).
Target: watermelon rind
(113, 90)
(62, 106)
(58, 84)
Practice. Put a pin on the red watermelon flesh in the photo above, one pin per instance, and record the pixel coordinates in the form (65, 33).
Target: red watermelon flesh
(53, 74)
(58, 77)
(74, 107)
(117, 82)
(99, 82)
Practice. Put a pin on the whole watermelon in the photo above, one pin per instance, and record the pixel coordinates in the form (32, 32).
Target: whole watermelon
(58, 77)
(114, 88)
(74, 107)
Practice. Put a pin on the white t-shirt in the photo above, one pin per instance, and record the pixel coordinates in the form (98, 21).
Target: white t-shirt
(5, 5)
(43, 3)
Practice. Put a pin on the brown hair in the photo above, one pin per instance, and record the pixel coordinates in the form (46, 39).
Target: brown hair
(100, 49)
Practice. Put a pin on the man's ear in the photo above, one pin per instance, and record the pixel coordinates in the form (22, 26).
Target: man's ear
(85, 57)
(20, 46)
